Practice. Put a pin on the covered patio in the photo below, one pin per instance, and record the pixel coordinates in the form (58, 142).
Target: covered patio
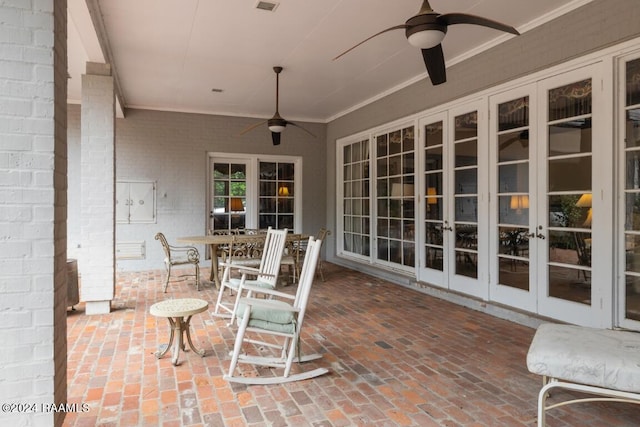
(396, 357)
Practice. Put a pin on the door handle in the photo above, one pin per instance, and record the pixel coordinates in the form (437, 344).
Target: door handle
(541, 236)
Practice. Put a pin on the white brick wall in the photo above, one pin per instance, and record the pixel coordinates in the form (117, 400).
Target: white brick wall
(97, 188)
(33, 172)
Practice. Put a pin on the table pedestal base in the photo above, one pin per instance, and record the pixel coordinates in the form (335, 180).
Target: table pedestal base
(179, 327)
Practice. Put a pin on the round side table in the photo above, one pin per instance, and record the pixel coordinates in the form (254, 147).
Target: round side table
(175, 310)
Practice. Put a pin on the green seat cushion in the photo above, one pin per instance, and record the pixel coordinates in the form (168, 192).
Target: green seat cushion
(269, 318)
(235, 282)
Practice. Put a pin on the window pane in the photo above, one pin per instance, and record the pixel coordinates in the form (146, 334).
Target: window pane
(633, 82)
(570, 100)
(570, 174)
(466, 126)
(572, 137)
(513, 114)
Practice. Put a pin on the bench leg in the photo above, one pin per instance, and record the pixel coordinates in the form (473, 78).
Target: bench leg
(603, 395)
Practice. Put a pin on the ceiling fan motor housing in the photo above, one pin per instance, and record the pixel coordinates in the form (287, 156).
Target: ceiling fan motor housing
(427, 22)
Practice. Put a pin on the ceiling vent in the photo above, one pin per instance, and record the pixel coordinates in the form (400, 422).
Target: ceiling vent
(267, 5)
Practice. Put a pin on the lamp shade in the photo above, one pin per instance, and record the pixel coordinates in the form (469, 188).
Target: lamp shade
(235, 205)
(401, 190)
(283, 191)
(276, 128)
(431, 191)
(584, 201)
(587, 221)
(426, 39)
(519, 202)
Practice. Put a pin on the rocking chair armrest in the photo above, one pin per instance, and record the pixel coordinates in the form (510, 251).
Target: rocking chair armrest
(267, 291)
(254, 271)
(269, 304)
(244, 269)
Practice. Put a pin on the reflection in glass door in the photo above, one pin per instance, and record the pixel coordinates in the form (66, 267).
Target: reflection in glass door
(277, 195)
(395, 181)
(229, 198)
(513, 278)
(569, 195)
(434, 222)
(574, 193)
(631, 250)
(513, 193)
(465, 193)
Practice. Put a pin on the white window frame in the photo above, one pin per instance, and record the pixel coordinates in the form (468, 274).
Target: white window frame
(253, 168)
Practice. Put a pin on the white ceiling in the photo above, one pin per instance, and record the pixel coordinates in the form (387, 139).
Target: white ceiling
(170, 54)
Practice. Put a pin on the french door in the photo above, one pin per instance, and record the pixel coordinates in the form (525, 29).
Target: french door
(551, 176)
(513, 148)
(454, 200)
(574, 194)
(629, 218)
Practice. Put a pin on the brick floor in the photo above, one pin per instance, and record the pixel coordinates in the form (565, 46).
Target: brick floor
(396, 358)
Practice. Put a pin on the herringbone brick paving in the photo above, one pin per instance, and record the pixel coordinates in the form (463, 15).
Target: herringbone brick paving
(396, 358)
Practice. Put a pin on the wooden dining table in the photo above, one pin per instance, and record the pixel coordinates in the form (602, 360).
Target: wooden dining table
(216, 240)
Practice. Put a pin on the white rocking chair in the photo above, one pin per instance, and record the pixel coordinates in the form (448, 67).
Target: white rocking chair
(281, 319)
(266, 276)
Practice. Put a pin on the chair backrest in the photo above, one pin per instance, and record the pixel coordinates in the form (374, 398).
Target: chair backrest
(272, 255)
(322, 234)
(165, 245)
(307, 274)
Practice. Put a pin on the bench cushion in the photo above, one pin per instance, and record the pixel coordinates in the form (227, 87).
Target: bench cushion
(598, 357)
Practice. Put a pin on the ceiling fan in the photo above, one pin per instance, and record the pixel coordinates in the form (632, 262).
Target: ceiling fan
(427, 29)
(276, 123)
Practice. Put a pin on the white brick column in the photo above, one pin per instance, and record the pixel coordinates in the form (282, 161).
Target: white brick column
(33, 209)
(97, 193)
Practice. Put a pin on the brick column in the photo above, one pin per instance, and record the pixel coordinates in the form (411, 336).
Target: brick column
(33, 208)
(97, 193)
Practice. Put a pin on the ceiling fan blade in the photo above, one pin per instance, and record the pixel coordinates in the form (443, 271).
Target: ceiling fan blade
(508, 142)
(397, 27)
(275, 137)
(434, 61)
(463, 18)
(522, 137)
(300, 127)
(252, 127)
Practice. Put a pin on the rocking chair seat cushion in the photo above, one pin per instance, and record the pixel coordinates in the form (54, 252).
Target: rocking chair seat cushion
(278, 318)
(235, 282)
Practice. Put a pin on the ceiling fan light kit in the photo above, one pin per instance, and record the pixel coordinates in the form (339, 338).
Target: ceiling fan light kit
(426, 31)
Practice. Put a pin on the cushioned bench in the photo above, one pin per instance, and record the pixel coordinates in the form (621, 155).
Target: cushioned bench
(600, 362)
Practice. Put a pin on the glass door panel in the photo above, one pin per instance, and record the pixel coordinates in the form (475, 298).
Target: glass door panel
(466, 194)
(434, 221)
(630, 295)
(513, 243)
(356, 200)
(572, 228)
(569, 163)
(513, 193)
(395, 195)
(229, 196)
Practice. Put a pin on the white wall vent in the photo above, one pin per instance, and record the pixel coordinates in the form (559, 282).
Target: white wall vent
(130, 250)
